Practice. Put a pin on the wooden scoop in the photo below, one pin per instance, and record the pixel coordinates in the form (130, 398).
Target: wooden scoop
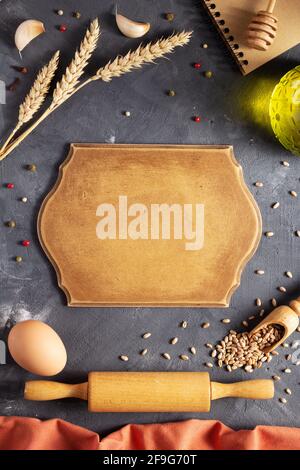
(148, 391)
(262, 30)
(285, 316)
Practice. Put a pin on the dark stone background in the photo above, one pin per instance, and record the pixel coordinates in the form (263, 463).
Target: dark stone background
(233, 110)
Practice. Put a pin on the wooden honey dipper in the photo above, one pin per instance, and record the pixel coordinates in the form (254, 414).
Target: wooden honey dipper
(262, 30)
(285, 316)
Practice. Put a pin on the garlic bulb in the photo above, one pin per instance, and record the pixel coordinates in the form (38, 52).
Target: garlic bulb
(130, 28)
(27, 31)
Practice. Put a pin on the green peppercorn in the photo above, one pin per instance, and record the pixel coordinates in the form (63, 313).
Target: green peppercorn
(171, 93)
(208, 74)
(31, 167)
(169, 16)
(77, 14)
(19, 259)
(11, 224)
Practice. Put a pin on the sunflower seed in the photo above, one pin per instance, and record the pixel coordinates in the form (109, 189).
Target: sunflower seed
(146, 335)
(184, 357)
(124, 358)
(205, 325)
(275, 205)
(166, 356)
(174, 340)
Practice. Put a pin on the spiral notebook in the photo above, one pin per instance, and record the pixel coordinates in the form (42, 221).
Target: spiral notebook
(232, 17)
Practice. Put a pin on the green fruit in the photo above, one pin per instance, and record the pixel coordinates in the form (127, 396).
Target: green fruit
(284, 110)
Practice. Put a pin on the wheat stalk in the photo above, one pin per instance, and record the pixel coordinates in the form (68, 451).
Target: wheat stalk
(143, 54)
(70, 79)
(36, 96)
(120, 65)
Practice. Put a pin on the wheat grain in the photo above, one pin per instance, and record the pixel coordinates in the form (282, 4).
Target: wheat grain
(143, 54)
(65, 87)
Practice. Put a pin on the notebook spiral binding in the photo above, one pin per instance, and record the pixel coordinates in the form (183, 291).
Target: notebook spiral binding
(217, 18)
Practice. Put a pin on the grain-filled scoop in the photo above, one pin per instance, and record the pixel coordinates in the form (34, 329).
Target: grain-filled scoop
(149, 391)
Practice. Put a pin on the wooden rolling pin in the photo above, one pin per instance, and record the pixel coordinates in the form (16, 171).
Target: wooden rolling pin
(148, 391)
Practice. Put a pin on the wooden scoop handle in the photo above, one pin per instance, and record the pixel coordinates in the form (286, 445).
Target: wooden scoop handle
(271, 6)
(255, 389)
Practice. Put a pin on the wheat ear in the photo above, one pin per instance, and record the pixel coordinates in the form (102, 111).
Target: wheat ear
(36, 96)
(117, 67)
(70, 79)
(143, 54)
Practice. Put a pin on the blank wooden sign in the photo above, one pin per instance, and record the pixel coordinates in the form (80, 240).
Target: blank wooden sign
(149, 225)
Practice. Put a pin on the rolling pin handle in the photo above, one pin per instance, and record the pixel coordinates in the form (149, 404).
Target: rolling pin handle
(255, 389)
(44, 390)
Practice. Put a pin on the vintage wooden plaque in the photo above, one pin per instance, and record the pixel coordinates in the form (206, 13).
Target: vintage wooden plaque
(149, 225)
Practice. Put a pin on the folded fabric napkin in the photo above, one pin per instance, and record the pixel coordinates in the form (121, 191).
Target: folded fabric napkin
(17, 433)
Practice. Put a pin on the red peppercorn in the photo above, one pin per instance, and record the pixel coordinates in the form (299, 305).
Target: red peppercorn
(10, 185)
(63, 28)
(25, 242)
(197, 118)
(197, 65)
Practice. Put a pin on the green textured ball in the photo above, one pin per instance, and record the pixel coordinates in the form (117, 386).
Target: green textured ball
(284, 111)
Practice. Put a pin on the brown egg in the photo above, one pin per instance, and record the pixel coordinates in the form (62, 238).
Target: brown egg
(37, 348)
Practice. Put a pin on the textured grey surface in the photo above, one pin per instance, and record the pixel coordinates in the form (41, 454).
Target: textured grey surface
(94, 338)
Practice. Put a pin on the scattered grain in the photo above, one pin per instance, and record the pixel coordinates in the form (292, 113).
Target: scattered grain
(258, 302)
(245, 323)
(252, 317)
(260, 272)
(298, 329)
(281, 289)
(297, 233)
(276, 378)
(209, 365)
(269, 234)
(275, 205)
(285, 345)
(288, 274)
(293, 193)
(274, 302)
(288, 391)
(214, 353)
(166, 356)
(284, 163)
(193, 350)
(287, 371)
(205, 325)
(258, 184)
(209, 345)
(174, 340)
(184, 357)
(283, 400)
(144, 352)
(183, 324)
(226, 320)
(288, 357)
(146, 335)
(124, 358)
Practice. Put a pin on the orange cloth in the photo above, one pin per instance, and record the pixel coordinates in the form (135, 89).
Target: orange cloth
(32, 434)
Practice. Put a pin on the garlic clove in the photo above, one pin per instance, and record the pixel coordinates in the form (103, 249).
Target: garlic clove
(27, 31)
(130, 28)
